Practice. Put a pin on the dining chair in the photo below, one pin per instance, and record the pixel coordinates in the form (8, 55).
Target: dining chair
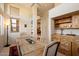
(51, 49)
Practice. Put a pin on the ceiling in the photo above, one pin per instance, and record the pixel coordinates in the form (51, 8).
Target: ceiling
(43, 7)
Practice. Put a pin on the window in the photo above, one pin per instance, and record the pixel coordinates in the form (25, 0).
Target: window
(14, 12)
(0, 24)
(14, 25)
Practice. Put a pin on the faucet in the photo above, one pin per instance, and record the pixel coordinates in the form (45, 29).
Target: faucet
(61, 31)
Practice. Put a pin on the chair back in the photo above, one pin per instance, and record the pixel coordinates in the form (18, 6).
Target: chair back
(51, 49)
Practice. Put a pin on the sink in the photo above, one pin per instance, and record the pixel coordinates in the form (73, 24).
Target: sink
(71, 34)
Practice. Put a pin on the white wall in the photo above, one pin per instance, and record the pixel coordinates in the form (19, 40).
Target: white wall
(34, 18)
(24, 18)
(69, 31)
(1, 25)
(63, 8)
(1, 31)
(44, 27)
(2, 40)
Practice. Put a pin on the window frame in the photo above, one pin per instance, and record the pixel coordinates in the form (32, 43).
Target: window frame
(17, 24)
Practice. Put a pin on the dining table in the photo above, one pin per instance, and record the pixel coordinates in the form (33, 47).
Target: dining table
(30, 49)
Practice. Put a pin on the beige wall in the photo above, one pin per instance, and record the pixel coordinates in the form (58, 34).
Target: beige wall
(56, 4)
(24, 18)
(1, 7)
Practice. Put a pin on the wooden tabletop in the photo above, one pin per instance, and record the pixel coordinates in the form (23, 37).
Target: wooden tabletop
(28, 49)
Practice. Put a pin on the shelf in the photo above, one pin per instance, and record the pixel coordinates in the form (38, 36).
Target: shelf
(67, 28)
(61, 23)
(38, 29)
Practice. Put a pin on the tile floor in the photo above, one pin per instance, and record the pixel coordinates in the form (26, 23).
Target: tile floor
(4, 51)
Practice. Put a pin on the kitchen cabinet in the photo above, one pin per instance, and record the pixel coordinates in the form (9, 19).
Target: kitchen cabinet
(63, 23)
(75, 46)
(65, 43)
(69, 45)
(75, 21)
(68, 22)
(65, 46)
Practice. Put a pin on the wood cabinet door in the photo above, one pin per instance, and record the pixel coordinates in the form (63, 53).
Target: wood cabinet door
(56, 37)
(65, 45)
(75, 21)
(75, 46)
